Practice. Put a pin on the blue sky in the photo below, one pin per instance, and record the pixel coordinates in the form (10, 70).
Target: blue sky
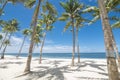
(90, 37)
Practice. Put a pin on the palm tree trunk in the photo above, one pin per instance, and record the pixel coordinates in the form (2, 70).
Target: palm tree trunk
(111, 62)
(21, 47)
(33, 24)
(77, 41)
(4, 5)
(42, 48)
(73, 32)
(3, 53)
(3, 40)
(116, 50)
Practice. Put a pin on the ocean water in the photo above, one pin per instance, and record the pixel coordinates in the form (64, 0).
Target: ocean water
(100, 55)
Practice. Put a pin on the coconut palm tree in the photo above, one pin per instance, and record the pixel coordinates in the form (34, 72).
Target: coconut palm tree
(26, 32)
(71, 8)
(111, 62)
(49, 17)
(79, 23)
(11, 27)
(7, 42)
(38, 35)
(33, 25)
(111, 6)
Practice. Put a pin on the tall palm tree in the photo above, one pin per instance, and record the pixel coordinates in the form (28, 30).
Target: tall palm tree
(79, 23)
(111, 6)
(4, 25)
(26, 32)
(11, 27)
(38, 35)
(111, 62)
(71, 8)
(7, 42)
(49, 17)
(33, 25)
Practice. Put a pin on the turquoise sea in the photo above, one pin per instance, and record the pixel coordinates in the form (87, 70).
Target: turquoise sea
(100, 55)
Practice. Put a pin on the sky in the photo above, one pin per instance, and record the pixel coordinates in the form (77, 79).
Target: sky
(91, 37)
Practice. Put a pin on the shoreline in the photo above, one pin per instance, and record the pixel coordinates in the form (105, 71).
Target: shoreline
(53, 69)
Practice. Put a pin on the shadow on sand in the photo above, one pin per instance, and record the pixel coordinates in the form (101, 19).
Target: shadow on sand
(56, 72)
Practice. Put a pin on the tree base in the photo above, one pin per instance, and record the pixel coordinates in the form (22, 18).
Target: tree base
(2, 57)
(112, 69)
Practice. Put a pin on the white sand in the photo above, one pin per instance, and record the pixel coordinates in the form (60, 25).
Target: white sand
(53, 69)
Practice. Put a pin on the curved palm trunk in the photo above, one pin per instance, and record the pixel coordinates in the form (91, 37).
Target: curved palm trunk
(111, 62)
(33, 24)
(4, 5)
(42, 48)
(21, 47)
(73, 33)
(3, 40)
(77, 41)
(3, 53)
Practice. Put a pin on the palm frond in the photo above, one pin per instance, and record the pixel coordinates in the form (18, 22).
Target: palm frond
(116, 25)
(94, 19)
(68, 24)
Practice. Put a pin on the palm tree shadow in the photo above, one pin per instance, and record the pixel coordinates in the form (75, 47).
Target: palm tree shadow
(56, 72)
(94, 65)
(46, 72)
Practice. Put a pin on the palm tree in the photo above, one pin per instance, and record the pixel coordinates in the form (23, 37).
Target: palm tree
(79, 24)
(11, 27)
(111, 62)
(33, 25)
(38, 35)
(25, 32)
(71, 8)
(110, 5)
(48, 19)
(4, 26)
(7, 42)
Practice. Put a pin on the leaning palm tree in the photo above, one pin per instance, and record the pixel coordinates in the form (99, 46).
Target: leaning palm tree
(10, 28)
(4, 25)
(71, 8)
(111, 6)
(7, 42)
(33, 25)
(47, 20)
(111, 62)
(26, 32)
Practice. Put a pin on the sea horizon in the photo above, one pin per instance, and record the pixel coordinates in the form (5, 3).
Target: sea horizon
(94, 55)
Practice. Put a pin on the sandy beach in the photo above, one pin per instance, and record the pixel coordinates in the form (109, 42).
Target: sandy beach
(53, 69)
